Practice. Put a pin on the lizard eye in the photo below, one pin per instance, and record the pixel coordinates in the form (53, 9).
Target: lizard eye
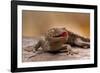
(52, 30)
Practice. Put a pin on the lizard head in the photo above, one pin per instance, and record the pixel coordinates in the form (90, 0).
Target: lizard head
(59, 32)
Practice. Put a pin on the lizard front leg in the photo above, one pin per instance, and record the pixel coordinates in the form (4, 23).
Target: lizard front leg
(35, 49)
(68, 49)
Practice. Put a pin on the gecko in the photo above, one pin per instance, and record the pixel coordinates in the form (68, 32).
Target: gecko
(61, 40)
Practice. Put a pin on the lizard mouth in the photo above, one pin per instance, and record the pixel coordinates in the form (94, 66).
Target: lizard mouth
(63, 34)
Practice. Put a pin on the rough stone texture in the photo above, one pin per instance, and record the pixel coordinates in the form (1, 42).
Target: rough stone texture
(29, 56)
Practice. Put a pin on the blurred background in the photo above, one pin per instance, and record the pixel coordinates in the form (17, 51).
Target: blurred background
(35, 23)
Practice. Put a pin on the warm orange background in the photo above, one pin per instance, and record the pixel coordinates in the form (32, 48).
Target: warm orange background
(37, 22)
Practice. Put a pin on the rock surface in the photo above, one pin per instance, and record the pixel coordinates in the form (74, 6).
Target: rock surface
(29, 56)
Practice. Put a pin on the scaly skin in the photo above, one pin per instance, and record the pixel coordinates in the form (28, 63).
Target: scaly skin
(60, 39)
